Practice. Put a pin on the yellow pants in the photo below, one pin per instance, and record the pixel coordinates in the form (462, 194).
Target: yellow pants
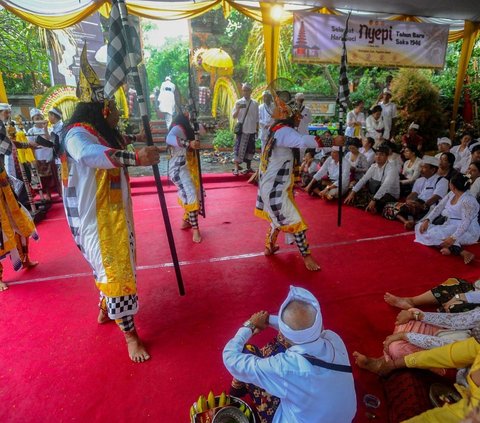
(457, 355)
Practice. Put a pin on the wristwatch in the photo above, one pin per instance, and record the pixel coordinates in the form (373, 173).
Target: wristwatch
(457, 297)
(250, 325)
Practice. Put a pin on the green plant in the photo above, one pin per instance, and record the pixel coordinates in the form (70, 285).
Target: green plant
(224, 138)
(418, 100)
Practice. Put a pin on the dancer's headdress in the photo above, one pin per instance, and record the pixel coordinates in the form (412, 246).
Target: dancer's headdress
(89, 88)
(285, 107)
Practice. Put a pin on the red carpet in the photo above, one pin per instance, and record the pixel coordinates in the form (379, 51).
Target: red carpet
(59, 365)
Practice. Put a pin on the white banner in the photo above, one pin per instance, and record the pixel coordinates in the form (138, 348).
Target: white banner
(317, 38)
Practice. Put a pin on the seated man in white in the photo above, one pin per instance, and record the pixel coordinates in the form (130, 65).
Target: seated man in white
(382, 182)
(427, 191)
(307, 376)
(326, 181)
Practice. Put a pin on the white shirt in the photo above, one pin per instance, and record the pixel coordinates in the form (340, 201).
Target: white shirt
(264, 121)
(375, 128)
(462, 158)
(309, 394)
(427, 188)
(389, 111)
(387, 174)
(360, 165)
(56, 129)
(475, 188)
(332, 170)
(41, 153)
(306, 120)
(411, 173)
(369, 155)
(251, 119)
(353, 118)
(396, 160)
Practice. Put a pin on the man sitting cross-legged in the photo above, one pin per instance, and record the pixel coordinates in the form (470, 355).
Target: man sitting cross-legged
(303, 375)
(382, 183)
(427, 190)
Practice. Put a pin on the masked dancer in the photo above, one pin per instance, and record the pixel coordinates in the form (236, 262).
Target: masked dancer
(183, 171)
(98, 203)
(275, 202)
(16, 225)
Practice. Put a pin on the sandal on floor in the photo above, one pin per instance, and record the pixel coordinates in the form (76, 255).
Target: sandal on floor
(235, 172)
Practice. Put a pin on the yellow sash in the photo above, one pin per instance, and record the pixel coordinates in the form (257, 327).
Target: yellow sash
(113, 233)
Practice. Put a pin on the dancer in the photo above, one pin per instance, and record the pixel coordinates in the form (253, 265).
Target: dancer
(275, 201)
(183, 171)
(98, 203)
(16, 225)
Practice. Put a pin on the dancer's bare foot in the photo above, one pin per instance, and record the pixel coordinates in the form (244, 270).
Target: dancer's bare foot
(403, 303)
(103, 317)
(185, 225)
(272, 249)
(3, 286)
(409, 225)
(196, 236)
(445, 251)
(310, 263)
(28, 264)
(136, 349)
(375, 365)
(467, 256)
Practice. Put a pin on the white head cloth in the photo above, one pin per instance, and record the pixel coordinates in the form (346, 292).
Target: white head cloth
(5, 106)
(335, 148)
(167, 78)
(432, 161)
(299, 96)
(387, 91)
(246, 86)
(413, 125)
(56, 112)
(444, 140)
(305, 335)
(34, 112)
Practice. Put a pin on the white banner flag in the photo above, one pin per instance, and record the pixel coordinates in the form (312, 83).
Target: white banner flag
(317, 38)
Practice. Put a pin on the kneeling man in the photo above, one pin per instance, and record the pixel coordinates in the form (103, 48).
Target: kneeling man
(303, 376)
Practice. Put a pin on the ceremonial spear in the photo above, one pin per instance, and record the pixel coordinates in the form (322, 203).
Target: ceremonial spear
(122, 58)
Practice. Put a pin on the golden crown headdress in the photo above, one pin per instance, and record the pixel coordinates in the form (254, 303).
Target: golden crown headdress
(89, 87)
(285, 106)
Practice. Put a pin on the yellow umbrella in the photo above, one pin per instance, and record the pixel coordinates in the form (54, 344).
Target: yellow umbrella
(217, 61)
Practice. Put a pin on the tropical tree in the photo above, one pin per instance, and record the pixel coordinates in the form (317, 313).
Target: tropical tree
(22, 58)
(169, 60)
(418, 100)
(24, 54)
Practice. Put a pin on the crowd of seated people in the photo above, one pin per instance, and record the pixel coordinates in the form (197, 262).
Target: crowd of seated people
(437, 194)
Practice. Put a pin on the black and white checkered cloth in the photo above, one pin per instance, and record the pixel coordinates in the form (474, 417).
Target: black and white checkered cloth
(117, 59)
(5, 143)
(343, 89)
(302, 244)
(118, 307)
(121, 158)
